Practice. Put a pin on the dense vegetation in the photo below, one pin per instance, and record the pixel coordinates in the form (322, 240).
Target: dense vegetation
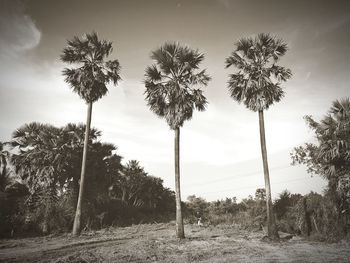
(40, 183)
(312, 215)
(329, 157)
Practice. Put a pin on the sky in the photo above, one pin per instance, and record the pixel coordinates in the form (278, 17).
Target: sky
(220, 148)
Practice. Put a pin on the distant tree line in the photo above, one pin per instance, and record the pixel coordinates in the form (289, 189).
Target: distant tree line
(39, 183)
(312, 215)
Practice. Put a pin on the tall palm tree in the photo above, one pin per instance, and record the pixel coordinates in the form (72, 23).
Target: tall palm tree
(88, 78)
(257, 83)
(171, 95)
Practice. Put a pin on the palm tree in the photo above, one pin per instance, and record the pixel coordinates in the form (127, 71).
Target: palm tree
(88, 79)
(39, 160)
(257, 83)
(170, 94)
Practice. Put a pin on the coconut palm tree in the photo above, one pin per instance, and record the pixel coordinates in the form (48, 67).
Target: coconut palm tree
(257, 84)
(171, 95)
(88, 78)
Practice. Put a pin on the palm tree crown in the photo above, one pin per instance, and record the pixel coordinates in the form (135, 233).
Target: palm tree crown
(341, 109)
(89, 79)
(333, 132)
(169, 83)
(257, 81)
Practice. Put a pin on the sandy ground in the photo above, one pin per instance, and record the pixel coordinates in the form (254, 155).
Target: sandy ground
(157, 243)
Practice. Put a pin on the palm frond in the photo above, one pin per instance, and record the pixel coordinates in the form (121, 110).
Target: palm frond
(170, 80)
(200, 100)
(113, 71)
(257, 80)
(92, 73)
(153, 74)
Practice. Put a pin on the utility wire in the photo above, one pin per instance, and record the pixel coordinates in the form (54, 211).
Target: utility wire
(250, 187)
(236, 177)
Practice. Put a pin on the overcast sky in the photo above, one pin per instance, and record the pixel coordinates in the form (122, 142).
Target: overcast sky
(220, 148)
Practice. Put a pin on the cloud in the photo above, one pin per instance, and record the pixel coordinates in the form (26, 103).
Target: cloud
(334, 25)
(18, 31)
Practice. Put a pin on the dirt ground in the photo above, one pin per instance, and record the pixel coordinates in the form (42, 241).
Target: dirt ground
(157, 243)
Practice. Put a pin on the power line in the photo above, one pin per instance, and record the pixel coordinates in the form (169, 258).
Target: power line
(233, 178)
(250, 187)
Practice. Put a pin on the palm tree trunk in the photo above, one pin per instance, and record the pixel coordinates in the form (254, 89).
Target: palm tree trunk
(179, 221)
(3, 165)
(45, 226)
(307, 218)
(271, 223)
(77, 219)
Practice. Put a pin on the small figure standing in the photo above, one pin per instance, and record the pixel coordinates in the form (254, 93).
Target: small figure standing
(199, 219)
(200, 223)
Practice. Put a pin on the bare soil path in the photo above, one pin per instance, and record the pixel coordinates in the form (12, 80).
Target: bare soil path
(157, 243)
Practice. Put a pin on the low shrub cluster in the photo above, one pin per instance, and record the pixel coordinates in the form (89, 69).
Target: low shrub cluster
(312, 215)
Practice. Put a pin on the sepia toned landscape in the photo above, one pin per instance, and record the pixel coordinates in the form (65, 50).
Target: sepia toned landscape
(174, 131)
